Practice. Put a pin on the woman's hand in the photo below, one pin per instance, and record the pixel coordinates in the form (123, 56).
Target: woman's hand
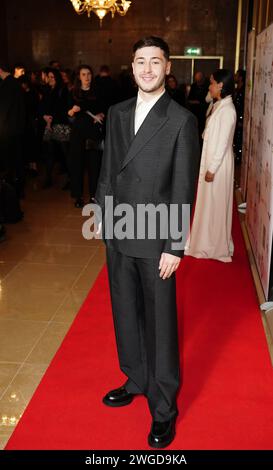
(99, 118)
(209, 177)
(74, 110)
(48, 119)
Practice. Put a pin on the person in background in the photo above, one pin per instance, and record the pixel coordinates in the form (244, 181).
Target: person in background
(68, 78)
(239, 101)
(55, 64)
(106, 88)
(19, 70)
(176, 92)
(197, 100)
(30, 140)
(87, 117)
(12, 127)
(54, 107)
(210, 235)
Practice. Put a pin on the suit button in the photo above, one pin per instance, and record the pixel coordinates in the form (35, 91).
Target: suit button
(138, 180)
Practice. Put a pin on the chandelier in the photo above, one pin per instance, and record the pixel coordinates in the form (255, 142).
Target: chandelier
(101, 7)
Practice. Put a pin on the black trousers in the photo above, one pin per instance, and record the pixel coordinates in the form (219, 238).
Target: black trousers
(54, 150)
(145, 320)
(79, 158)
(11, 162)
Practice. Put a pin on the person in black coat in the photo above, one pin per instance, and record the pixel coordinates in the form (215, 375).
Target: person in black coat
(176, 92)
(53, 108)
(106, 88)
(197, 100)
(12, 126)
(150, 159)
(86, 135)
(30, 141)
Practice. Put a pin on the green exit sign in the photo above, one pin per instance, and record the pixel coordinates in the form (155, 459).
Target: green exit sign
(193, 51)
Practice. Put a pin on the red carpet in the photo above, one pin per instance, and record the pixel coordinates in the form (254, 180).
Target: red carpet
(226, 398)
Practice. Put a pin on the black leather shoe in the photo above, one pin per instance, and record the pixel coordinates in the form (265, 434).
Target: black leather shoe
(118, 397)
(162, 434)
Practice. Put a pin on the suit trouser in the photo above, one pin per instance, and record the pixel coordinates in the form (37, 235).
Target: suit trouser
(145, 320)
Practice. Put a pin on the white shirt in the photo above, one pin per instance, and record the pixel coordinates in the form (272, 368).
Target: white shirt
(143, 108)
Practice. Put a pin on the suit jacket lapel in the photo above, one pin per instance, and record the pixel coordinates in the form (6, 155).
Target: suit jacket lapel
(151, 125)
(127, 124)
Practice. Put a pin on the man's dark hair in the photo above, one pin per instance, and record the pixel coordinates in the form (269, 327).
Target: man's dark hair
(19, 65)
(52, 62)
(227, 78)
(105, 68)
(152, 41)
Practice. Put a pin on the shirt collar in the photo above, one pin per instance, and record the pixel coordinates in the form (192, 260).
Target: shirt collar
(151, 102)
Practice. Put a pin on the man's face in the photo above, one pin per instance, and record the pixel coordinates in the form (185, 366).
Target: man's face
(199, 77)
(19, 71)
(150, 68)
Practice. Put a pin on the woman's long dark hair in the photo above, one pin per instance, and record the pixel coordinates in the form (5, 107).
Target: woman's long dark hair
(227, 78)
(57, 76)
(77, 90)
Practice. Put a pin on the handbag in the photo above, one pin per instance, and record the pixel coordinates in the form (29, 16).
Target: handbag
(58, 132)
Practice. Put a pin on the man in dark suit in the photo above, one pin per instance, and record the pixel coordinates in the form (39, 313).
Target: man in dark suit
(150, 157)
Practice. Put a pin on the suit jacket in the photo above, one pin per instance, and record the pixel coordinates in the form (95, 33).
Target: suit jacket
(157, 165)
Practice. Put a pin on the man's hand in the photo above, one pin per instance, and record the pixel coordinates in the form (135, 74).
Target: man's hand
(209, 177)
(98, 232)
(168, 264)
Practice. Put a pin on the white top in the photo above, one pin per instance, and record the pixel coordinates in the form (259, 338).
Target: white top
(143, 108)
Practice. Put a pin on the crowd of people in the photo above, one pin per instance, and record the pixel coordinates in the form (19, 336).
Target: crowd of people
(58, 115)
